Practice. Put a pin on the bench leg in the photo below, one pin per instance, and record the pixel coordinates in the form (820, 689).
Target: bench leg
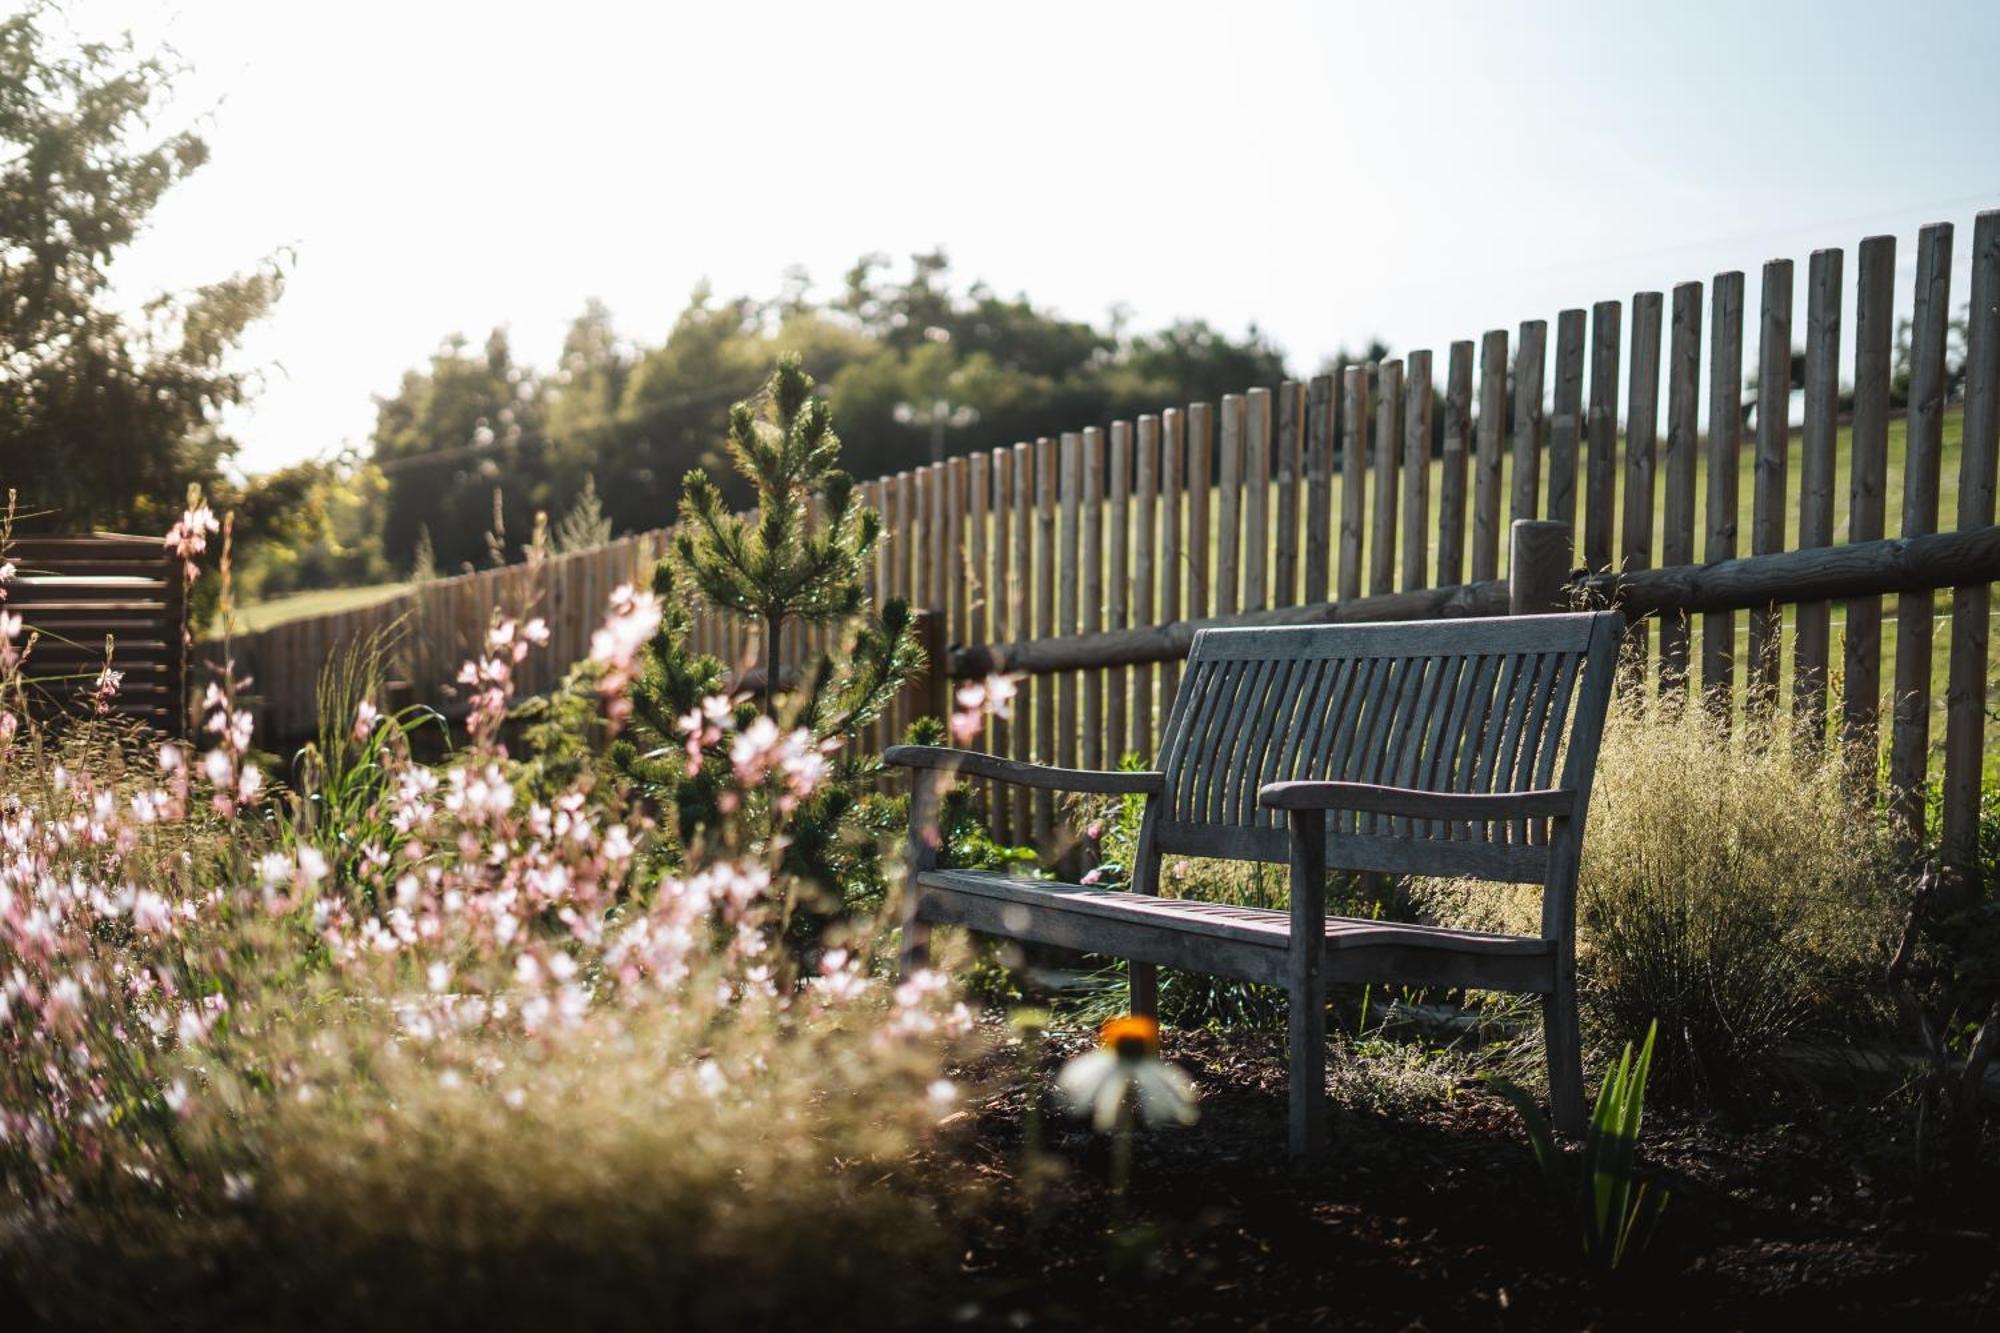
(1145, 988)
(1564, 1039)
(920, 853)
(915, 953)
(1307, 1069)
(1306, 981)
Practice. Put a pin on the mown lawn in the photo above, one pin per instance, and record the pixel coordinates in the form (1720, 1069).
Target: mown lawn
(254, 616)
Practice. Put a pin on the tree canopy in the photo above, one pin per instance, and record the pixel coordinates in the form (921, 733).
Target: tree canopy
(909, 361)
(105, 418)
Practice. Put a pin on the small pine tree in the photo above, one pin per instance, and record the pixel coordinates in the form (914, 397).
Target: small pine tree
(778, 566)
(586, 526)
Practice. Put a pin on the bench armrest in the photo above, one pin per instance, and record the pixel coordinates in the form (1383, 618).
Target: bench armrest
(1367, 798)
(973, 763)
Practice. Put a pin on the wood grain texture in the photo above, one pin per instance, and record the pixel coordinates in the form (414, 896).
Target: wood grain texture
(1069, 543)
(1146, 595)
(1027, 702)
(1257, 500)
(1642, 429)
(1529, 420)
(1229, 506)
(1725, 447)
(1868, 444)
(1417, 471)
(1454, 454)
(1322, 428)
(1910, 730)
(1566, 421)
(1768, 501)
(1492, 437)
(1353, 477)
(1118, 585)
(1090, 606)
(1176, 520)
(1601, 435)
(1045, 622)
(1813, 636)
(1677, 545)
(1287, 465)
(1388, 452)
(1966, 689)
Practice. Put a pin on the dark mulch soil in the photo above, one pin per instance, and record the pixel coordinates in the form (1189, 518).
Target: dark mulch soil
(1435, 1217)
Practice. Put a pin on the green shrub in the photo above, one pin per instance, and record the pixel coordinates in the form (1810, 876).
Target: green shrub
(1731, 888)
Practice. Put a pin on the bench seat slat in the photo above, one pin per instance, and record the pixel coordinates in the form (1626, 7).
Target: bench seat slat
(1246, 925)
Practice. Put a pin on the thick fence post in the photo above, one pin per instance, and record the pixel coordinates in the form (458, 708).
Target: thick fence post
(1538, 567)
(930, 693)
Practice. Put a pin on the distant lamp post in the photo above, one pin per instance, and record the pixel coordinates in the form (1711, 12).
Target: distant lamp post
(940, 416)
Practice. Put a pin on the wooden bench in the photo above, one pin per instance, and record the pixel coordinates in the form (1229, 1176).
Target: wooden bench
(1425, 748)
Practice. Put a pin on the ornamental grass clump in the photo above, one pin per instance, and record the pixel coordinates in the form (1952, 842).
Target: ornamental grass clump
(451, 1044)
(1732, 887)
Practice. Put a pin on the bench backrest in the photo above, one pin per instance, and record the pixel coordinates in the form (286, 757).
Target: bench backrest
(1473, 705)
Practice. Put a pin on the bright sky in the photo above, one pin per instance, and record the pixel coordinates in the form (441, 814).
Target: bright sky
(1331, 172)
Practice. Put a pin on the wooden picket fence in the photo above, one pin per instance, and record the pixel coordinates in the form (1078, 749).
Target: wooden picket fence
(1294, 500)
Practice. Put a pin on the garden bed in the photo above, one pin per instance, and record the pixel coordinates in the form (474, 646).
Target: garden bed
(1430, 1213)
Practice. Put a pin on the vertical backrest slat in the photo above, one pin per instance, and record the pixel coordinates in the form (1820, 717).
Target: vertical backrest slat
(1377, 752)
(1216, 703)
(1415, 730)
(1470, 734)
(1435, 774)
(1253, 685)
(1349, 725)
(1264, 737)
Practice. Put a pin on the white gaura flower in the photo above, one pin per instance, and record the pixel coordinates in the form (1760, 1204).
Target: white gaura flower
(1125, 1070)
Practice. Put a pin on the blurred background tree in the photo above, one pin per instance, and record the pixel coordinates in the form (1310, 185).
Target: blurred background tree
(911, 362)
(104, 418)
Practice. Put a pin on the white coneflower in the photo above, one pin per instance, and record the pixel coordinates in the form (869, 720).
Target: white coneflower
(1125, 1070)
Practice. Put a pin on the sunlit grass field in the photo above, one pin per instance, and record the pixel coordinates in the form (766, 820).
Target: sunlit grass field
(254, 616)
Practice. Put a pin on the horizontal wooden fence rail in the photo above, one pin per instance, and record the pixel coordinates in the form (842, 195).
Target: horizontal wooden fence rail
(1089, 557)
